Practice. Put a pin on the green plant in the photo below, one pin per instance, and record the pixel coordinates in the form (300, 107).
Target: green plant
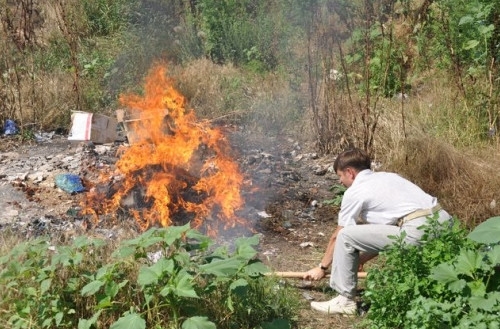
(241, 32)
(404, 277)
(451, 281)
(338, 191)
(170, 277)
(106, 17)
(468, 294)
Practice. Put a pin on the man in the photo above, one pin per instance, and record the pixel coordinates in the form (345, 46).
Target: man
(387, 204)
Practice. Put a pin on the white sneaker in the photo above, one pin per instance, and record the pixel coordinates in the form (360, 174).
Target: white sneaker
(337, 305)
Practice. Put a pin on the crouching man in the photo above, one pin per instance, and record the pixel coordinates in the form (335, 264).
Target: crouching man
(387, 204)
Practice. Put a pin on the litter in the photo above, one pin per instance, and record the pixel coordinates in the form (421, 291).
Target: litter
(93, 127)
(69, 183)
(10, 127)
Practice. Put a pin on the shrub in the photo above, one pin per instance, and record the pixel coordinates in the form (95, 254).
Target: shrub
(450, 281)
(469, 286)
(170, 278)
(405, 275)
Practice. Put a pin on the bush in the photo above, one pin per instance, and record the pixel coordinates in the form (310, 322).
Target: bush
(450, 281)
(164, 278)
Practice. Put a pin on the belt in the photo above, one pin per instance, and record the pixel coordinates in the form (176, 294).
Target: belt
(419, 213)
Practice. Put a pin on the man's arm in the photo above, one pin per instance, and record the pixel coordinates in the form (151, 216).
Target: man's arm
(317, 273)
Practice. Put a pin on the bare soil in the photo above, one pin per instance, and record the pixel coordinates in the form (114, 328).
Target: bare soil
(285, 205)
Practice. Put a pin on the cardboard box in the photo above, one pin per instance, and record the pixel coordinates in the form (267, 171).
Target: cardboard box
(98, 128)
(129, 119)
(126, 120)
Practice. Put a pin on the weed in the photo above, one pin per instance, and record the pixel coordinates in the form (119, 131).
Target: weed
(170, 277)
(449, 281)
(338, 192)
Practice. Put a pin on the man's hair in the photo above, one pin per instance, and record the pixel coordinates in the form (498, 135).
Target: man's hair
(354, 158)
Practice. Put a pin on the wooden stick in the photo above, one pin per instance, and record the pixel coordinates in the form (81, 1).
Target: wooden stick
(300, 275)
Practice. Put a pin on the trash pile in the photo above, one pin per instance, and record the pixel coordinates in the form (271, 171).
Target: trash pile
(42, 183)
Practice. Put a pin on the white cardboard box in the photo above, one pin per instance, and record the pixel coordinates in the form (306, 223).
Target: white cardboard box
(94, 127)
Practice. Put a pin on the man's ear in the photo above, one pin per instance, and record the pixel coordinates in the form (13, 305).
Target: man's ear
(352, 172)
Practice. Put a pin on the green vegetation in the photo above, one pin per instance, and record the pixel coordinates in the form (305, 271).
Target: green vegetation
(323, 67)
(338, 193)
(451, 281)
(164, 278)
(414, 82)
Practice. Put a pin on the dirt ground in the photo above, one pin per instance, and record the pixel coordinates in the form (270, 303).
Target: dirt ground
(285, 205)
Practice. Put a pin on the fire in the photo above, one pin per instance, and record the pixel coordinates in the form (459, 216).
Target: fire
(177, 170)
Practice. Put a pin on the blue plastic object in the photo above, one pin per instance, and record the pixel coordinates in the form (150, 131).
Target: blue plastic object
(10, 127)
(69, 183)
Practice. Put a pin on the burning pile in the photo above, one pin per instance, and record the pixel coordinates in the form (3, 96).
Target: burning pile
(177, 170)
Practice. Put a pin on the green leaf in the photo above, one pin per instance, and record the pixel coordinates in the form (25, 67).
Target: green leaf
(31, 291)
(91, 288)
(487, 232)
(222, 267)
(444, 273)
(166, 290)
(466, 20)
(246, 252)
(471, 44)
(184, 287)
(104, 303)
(129, 321)
(494, 255)
(375, 61)
(150, 241)
(174, 233)
(244, 247)
(229, 303)
(101, 272)
(163, 266)
(45, 286)
(256, 268)
(85, 324)
(59, 317)
(468, 262)
(485, 30)
(457, 286)
(124, 252)
(151, 274)
(147, 276)
(251, 241)
(239, 287)
(198, 322)
(478, 302)
(374, 33)
(238, 284)
(77, 258)
(477, 288)
(46, 323)
(81, 241)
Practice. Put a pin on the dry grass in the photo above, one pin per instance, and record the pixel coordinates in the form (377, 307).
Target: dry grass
(434, 149)
(212, 90)
(227, 94)
(44, 102)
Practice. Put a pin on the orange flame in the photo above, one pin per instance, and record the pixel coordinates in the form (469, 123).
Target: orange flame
(178, 166)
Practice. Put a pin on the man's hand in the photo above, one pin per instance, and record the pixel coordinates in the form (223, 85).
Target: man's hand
(314, 274)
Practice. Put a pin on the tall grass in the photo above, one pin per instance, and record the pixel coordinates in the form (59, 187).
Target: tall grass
(434, 139)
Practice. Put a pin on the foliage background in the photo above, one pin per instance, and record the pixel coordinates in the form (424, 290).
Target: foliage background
(414, 82)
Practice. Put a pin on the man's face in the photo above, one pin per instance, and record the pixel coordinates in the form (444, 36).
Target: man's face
(346, 176)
